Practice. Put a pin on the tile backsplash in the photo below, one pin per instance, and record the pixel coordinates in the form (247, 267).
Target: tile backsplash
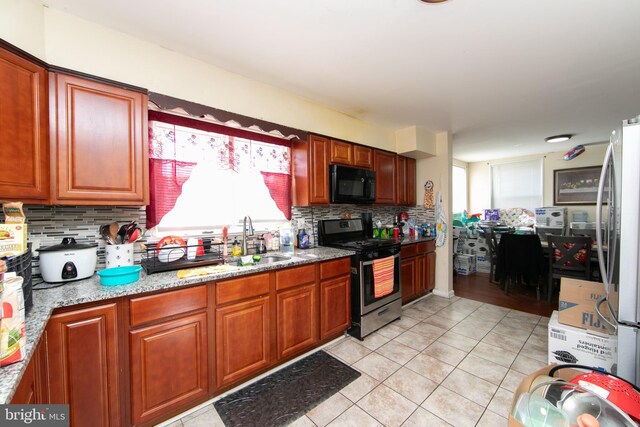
(49, 224)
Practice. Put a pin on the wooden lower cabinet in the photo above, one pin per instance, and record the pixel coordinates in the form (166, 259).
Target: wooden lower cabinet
(169, 366)
(430, 271)
(34, 385)
(418, 270)
(82, 352)
(335, 303)
(297, 320)
(408, 279)
(242, 339)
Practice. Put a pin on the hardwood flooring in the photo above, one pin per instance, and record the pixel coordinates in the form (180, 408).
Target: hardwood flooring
(478, 287)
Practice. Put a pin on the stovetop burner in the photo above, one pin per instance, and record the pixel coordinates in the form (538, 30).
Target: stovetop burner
(350, 234)
(364, 244)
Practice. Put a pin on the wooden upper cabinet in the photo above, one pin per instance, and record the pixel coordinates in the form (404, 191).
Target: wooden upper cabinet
(406, 181)
(385, 166)
(99, 143)
(341, 152)
(83, 353)
(410, 182)
(362, 157)
(401, 181)
(24, 130)
(311, 171)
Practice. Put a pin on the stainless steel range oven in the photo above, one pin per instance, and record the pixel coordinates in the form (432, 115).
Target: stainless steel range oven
(374, 257)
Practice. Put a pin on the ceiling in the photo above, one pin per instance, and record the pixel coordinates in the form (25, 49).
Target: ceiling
(501, 75)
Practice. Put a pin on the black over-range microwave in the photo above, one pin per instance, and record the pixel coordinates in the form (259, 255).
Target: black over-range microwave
(352, 185)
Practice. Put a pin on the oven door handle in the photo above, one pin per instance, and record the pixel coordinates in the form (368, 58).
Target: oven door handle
(363, 263)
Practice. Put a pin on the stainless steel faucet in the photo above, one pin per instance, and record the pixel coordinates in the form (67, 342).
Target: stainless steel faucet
(244, 233)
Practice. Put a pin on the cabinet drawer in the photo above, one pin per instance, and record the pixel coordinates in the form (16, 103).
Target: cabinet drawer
(407, 251)
(335, 268)
(238, 289)
(426, 246)
(295, 276)
(159, 306)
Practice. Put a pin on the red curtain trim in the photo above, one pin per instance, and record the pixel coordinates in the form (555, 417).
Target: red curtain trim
(216, 128)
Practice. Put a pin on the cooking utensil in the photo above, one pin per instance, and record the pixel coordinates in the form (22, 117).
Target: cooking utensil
(113, 232)
(106, 236)
(122, 233)
(68, 261)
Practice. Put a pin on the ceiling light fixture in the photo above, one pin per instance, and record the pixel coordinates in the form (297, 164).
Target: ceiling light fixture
(558, 138)
(433, 1)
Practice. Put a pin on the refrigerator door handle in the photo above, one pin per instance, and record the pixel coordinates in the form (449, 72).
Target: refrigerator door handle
(599, 241)
(610, 325)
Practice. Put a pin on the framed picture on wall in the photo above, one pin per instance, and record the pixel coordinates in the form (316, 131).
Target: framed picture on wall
(577, 186)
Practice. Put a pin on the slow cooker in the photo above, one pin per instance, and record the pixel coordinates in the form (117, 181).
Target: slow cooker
(68, 261)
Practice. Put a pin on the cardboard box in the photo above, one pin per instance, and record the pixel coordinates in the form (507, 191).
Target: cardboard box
(578, 346)
(577, 305)
(525, 386)
(13, 239)
(553, 217)
(465, 264)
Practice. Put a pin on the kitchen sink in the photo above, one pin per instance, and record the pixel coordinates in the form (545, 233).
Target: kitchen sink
(269, 259)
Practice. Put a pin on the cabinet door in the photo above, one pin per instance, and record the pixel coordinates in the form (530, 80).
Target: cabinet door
(99, 143)
(83, 364)
(24, 130)
(421, 271)
(408, 279)
(401, 180)
(362, 156)
(26, 393)
(319, 166)
(169, 366)
(385, 167)
(335, 306)
(410, 182)
(297, 314)
(341, 152)
(242, 340)
(430, 266)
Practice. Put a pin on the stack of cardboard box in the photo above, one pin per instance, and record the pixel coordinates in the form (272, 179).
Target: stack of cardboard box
(576, 333)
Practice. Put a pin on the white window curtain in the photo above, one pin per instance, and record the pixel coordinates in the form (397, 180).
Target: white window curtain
(517, 185)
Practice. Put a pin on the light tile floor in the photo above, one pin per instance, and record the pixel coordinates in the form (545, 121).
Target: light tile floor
(447, 362)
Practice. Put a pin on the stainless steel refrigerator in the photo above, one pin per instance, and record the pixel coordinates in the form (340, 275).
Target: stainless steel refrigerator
(619, 194)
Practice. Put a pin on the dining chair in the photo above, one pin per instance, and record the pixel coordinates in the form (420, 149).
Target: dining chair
(520, 260)
(569, 256)
(492, 243)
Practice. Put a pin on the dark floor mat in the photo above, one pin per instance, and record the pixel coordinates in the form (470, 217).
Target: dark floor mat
(286, 395)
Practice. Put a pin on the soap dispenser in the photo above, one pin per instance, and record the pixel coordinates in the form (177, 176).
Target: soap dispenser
(236, 249)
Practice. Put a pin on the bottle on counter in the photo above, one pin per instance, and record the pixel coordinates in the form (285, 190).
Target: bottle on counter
(303, 239)
(236, 249)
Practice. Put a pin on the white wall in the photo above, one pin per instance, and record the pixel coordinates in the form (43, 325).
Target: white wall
(438, 170)
(480, 177)
(22, 24)
(66, 41)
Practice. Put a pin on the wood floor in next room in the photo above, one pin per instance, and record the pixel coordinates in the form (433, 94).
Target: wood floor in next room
(478, 287)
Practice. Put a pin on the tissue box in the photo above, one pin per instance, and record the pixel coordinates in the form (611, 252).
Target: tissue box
(13, 239)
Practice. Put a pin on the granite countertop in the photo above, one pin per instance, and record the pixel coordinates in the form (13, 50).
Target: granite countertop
(408, 240)
(90, 290)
